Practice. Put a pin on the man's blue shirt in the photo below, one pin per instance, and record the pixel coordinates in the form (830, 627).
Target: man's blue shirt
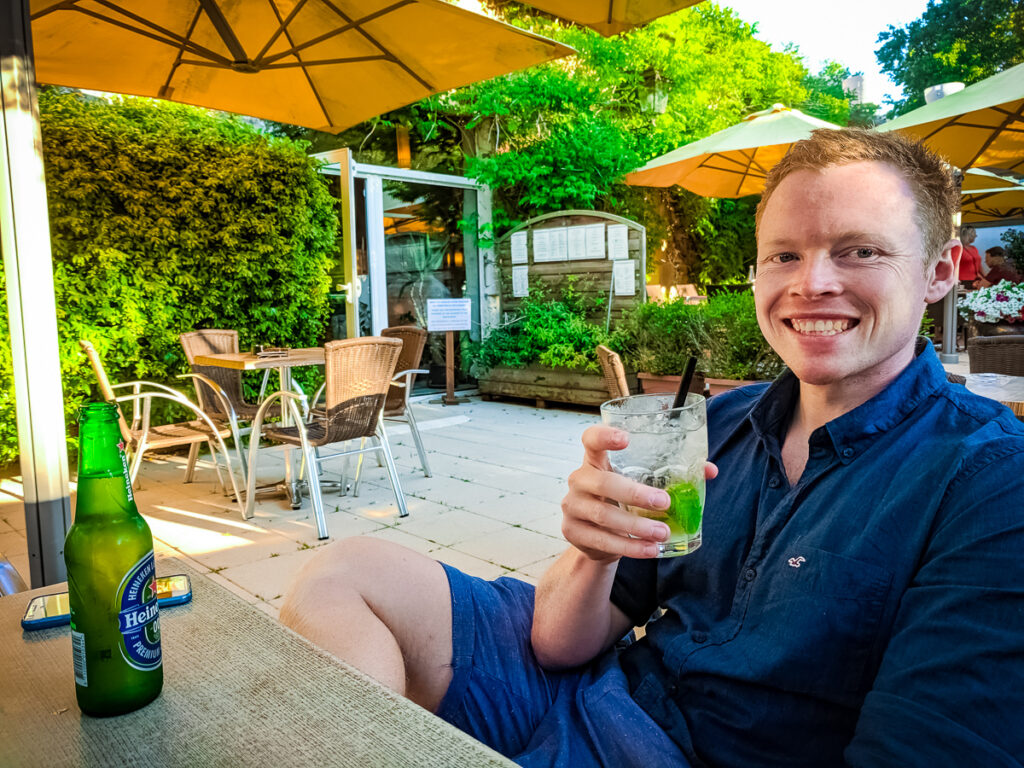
(873, 612)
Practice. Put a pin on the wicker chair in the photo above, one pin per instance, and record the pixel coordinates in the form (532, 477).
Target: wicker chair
(996, 354)
(208, 378)
(614, 372)
(396, 406)
(141, 436)
(358, 374)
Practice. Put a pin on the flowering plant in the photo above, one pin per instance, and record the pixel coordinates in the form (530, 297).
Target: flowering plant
(1003, 302)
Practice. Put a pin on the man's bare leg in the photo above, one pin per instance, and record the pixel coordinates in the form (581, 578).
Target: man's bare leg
(384, 609)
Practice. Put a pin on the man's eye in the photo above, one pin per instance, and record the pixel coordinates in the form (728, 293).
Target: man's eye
(786, 257)
(865, 253)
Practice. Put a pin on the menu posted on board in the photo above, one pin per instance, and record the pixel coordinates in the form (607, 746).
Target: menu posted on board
(449, 314)
(618, 241)
(519, 248)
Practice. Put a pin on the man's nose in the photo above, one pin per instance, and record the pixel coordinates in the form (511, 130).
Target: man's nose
(816, 276)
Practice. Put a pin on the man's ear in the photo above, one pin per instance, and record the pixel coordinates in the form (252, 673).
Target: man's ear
(942, 275)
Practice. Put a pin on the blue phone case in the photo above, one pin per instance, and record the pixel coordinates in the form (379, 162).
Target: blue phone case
(64, 618)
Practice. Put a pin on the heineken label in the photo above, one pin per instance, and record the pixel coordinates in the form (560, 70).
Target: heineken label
(138, 615)
(127, 472)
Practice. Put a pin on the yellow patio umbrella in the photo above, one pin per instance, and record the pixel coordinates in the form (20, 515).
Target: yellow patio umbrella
(324, 64)
(979, 180)
(609, 17)
(733, 162)
(980, 126)
(992, 206)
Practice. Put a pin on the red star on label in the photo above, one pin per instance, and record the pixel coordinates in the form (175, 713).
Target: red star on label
(121, 445)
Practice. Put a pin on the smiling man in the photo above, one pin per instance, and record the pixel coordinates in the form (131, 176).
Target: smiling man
(859, 595)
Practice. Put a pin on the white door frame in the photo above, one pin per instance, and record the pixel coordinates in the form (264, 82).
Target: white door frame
(340, 162)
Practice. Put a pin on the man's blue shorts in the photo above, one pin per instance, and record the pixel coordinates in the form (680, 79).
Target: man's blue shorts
(500, 695)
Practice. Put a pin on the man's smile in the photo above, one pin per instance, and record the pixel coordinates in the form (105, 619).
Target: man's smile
(821, 326)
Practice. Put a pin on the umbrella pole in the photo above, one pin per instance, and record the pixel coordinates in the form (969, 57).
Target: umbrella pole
(949, 333)
(28, 268)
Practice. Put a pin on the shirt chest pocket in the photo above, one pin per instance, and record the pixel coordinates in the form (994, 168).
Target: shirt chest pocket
(817, 617)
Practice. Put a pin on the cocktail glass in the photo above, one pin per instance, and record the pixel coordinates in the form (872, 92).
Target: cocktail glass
(668, 448)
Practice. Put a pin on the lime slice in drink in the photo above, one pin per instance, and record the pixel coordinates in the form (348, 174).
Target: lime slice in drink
(684, 507)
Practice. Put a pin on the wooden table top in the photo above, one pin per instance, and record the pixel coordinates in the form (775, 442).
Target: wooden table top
(239, 689)
(248, 361)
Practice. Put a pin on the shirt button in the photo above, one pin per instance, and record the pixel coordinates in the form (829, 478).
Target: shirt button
(698, 637)
(774, 481)
(847, 453)
(749, 575)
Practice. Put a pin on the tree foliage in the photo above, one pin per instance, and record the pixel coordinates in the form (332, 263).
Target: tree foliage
(827, 99)
(563, 134)
(952, 41)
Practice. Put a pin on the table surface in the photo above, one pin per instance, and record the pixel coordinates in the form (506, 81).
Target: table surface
(248, 361)
(239, 689)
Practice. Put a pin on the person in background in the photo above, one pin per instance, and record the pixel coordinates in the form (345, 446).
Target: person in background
(998, 271)
(970, 259)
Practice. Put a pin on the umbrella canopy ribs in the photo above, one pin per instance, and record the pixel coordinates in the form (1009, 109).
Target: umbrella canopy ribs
(323, 64)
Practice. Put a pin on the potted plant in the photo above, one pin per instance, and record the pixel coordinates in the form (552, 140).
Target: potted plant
(547, 351)
(722, 333)
(995, 310)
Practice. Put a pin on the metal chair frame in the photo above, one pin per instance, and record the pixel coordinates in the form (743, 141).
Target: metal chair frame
(311, 458)
(137, 433)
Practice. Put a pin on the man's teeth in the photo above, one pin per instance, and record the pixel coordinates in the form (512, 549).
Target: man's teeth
(824, 327)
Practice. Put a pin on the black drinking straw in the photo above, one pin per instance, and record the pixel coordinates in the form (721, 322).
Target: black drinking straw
(684, 383)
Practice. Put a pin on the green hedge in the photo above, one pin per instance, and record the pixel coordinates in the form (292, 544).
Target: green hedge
(722, 333)
(167, 218)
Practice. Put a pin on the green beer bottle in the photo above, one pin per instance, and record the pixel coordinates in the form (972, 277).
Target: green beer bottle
(115, 626)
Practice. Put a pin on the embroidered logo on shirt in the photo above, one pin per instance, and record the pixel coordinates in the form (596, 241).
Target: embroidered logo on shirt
(795, 562)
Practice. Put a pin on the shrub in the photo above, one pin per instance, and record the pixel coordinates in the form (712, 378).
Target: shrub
(659, 338)
(722, 333)
(735, 347)
(165, 218)
(556, 332)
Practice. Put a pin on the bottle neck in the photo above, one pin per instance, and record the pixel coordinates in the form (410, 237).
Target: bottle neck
(100, 449)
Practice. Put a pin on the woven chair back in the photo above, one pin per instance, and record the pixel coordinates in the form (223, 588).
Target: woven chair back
(413, 340)
(358, 375)
(213, 341)
(614, 372)
(997, 354)
(106, 391)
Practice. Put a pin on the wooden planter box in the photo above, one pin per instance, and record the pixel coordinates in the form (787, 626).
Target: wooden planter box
(536, 382)
(651, 383)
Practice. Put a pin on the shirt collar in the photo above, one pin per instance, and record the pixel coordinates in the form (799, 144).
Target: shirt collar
(851, 433)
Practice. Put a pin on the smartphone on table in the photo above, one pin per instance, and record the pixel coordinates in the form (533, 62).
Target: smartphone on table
(53, 610)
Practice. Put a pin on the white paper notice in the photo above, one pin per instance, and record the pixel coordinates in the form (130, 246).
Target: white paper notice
(449, 314)
(520, 281)
(618, 241)
(559, 244)
(541, 245)
(577, 243)
(519, 254)
(595, 241)
(624, 276)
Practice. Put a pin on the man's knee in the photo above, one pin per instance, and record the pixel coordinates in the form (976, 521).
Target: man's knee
(341, 568)
(394, 582)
